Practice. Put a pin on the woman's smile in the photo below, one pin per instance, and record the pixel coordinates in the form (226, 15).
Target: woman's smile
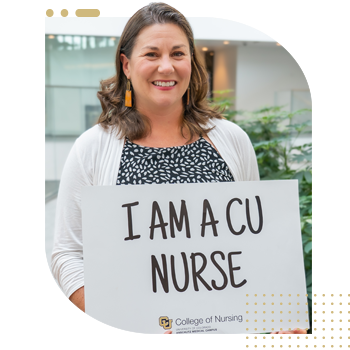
(164, 84)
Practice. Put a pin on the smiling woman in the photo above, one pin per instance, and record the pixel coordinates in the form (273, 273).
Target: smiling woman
(160, 72)
(156, 54)
(155, 127)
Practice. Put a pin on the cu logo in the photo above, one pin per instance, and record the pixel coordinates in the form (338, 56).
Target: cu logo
(165, 322)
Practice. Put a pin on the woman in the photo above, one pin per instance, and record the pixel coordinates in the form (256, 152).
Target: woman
(156, 108)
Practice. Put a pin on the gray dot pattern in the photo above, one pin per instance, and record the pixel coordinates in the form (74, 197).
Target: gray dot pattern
(196, 162)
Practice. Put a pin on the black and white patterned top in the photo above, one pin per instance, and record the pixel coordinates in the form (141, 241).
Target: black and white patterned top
(196, 162)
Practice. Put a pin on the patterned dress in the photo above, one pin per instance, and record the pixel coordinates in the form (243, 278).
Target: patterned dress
(196, 162)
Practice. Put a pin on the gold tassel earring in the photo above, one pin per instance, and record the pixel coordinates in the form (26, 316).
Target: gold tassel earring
(128, 101)
(188, 96)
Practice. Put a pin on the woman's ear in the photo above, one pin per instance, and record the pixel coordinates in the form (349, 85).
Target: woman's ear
(125, 64)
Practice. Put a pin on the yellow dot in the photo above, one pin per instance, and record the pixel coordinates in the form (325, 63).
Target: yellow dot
(272, 321)
(247, 303)
(247, 295)
(298, 321)
(315, 295)
(281, 303)
(289, 321)
(272, 330)
(255, 321)
(323, 295)
(272, 295)
(289, 312)
(281, 321)
(247, 329)
(255, 295)
(315, 329)
(306, 312)
(255, 329)
(306, 295)
(264, 303)
(315, 303)
(263, 320)
(255, 312)
(289, 303)
(289, 295)
(49, 13)
(264, 295)
(264, 312)
(298, 303)
(247, 312)
(272, 303)
(340, 303)
(64, 13)
(340, 295)
(255, 303)
(306, 320)
(247, 337)
(281, 312)
(331, 295)
(281, 295)
(247, 320)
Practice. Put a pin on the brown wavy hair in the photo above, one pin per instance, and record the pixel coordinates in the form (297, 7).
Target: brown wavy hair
(128, 121)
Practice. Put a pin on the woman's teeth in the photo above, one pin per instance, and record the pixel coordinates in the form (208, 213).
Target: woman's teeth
(163, 83)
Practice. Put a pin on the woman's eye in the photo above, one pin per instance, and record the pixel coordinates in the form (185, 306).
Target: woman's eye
(154, 54)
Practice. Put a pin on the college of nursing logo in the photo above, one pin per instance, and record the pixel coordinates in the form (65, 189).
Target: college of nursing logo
(165, 322)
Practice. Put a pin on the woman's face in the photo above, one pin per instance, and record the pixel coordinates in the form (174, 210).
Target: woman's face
(159, 67)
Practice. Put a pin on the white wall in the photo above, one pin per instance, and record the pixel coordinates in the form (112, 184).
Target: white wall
(56, 153)
(225, 69)
(263, 71)
(259, 76)
(265, 77)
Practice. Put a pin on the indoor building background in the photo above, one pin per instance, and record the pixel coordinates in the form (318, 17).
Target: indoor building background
(80, 52)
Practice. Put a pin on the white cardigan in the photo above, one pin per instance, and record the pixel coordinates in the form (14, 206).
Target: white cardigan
(94, 161)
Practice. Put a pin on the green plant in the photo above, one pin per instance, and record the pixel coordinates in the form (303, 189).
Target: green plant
(225, 101)
(275, 140)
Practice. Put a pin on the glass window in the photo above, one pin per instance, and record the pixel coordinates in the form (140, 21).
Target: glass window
(74, 67)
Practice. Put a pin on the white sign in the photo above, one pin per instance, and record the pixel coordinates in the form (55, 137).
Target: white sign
(195, 258)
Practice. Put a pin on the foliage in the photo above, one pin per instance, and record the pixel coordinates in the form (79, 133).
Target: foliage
(274, 138)
(225, 102)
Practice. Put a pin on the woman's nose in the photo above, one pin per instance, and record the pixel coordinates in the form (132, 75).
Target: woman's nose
(165, 66)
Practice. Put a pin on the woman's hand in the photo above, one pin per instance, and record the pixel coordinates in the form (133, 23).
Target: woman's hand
(78, 299)
(294, 331)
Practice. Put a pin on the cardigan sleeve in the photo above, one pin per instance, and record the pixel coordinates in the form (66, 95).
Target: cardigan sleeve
(67, 255)
(249, 159)
(235, 147)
